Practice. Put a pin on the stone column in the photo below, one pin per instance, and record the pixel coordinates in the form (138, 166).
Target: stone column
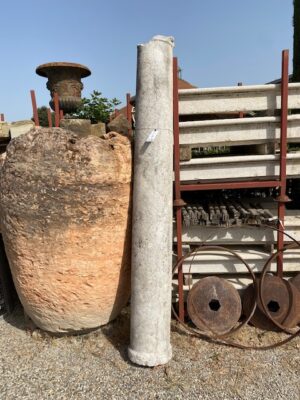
(152, 205)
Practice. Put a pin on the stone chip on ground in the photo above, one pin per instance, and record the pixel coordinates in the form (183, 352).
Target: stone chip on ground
(95, 366)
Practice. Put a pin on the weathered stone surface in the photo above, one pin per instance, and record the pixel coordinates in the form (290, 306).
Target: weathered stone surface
(80, 126)
(98, 129)
(120, 125)
(185, 153)
(20, 127)
(65, 220)
(152, 210)
(2, 158)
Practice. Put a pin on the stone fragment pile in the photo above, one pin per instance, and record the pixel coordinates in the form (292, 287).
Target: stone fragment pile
(225, 213)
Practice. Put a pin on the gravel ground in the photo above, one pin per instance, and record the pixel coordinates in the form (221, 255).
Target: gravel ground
(35, 365)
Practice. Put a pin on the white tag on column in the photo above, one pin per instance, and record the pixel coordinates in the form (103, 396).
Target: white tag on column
(152, 136)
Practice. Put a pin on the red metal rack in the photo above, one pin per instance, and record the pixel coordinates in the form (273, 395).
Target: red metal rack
(58, 113)
(276, 183)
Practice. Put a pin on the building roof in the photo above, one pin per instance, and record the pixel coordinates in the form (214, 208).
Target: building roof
(279, 80)
(182, 84)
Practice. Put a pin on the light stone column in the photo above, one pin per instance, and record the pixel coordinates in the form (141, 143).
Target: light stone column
(152, 205)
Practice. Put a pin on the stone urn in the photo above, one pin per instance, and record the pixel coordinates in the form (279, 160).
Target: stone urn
(65, 217)
(64, 79)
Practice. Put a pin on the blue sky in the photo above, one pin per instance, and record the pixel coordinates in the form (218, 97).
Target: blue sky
(218, 42)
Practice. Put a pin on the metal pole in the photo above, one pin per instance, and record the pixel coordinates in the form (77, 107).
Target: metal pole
(61, 114)
(178, 202)
(56, 109)
(282, 199)
(34, 108)
(49, 118)
(241, 114)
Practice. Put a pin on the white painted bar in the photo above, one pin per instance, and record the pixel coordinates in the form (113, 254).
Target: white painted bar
(221, 262)
(235, 99)
(237, 131)
(237, 167)
(234, 236)
(248, 235)
(239, 281)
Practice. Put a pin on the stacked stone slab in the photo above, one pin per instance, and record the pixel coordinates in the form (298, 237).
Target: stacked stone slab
(15, 129)
(20, 127)
(65, 220)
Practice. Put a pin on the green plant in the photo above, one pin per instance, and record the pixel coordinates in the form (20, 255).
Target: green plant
(96, 108)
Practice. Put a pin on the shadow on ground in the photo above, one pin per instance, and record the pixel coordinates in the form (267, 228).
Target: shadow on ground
(117, 333)
(16, 318)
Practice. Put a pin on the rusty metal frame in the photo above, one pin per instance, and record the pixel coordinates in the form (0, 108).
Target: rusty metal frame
(177, 185)
(241, 114)
(34, 108)
(49, 118)
(56, 109)
(247, 184)
(230, 185)
(282, 199)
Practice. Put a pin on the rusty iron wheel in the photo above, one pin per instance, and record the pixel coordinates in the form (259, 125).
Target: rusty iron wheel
(215, 248)
(280, 299)
(214, 305)
(296, 281)
(291, 318)
(220, 339)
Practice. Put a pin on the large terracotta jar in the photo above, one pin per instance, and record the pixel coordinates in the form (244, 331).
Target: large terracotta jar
(65, 220)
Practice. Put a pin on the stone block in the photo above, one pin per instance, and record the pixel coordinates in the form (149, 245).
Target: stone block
(4, 130)
(120, 125)
(81, 127)
(98, 129)
(20, 127)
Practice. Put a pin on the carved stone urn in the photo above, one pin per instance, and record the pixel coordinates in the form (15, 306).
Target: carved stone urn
(64, 79)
